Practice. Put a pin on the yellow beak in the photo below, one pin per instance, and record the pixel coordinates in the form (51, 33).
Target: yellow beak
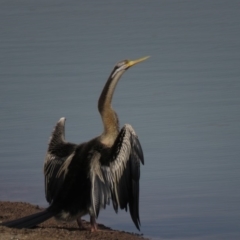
(133, 62)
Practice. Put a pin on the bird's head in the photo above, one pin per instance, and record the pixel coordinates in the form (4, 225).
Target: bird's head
(125, 64)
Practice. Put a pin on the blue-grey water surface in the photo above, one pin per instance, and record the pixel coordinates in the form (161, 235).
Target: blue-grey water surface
(184, 102)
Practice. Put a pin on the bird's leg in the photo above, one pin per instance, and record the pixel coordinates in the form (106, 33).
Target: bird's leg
(80, 223)
(93, 224)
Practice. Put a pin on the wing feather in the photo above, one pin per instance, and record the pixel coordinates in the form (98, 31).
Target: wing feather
(100, 188)
(124, 174)
(114, 172)
(58, 158)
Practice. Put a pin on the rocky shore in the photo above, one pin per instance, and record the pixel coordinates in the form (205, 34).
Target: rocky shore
(52, 229)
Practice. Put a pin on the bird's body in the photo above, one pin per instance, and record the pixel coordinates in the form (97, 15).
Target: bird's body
(82, 178)
(68, 180)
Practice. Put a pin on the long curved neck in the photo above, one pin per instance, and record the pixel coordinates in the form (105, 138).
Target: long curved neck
(109, 117)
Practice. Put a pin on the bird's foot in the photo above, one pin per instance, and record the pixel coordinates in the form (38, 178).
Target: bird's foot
(80, 224)
(94, 226)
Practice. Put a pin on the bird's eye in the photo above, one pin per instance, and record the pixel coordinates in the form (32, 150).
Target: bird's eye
(122, 63)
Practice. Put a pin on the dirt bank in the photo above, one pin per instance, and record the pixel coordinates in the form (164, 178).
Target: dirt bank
(51, 229)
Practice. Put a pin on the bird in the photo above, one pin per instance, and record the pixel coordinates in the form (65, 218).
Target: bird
(82, 179)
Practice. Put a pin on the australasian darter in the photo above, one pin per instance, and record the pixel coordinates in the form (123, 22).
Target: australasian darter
(82, 179)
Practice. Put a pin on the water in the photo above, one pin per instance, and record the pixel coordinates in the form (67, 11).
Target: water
(183, 102)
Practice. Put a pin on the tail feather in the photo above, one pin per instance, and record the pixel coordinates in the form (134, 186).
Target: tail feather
(29, 221)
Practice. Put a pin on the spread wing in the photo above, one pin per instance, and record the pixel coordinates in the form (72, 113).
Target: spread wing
(118, 174)
(58, 158)
(125, 170)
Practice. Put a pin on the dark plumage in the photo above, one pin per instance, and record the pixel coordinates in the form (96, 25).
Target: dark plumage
(82, 179)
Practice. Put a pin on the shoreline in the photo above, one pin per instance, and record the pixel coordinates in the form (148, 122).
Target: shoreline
(52, 229)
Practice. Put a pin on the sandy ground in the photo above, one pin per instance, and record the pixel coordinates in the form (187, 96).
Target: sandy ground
(51, 229)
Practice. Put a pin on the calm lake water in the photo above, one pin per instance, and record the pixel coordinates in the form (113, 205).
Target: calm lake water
(184, 102)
